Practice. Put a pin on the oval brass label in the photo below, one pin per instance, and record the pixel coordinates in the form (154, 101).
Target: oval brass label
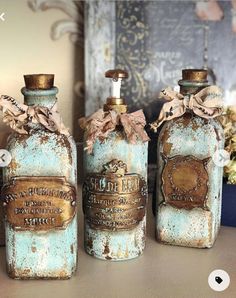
(114, 200)
(185, 181)
(39, 203)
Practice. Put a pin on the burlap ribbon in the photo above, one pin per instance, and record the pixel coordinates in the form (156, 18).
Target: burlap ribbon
(207, 103)
(101, 123)
(18, 116)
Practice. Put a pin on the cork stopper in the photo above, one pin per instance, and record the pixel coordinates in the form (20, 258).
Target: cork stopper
(39, 81)
(198, 75)
(193, 80)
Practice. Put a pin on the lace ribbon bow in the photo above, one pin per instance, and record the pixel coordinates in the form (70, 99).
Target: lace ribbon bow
(18, 115)
(101, 123)
(207, 103)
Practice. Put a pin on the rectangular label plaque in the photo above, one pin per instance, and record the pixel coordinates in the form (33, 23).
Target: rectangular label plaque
(39, 203)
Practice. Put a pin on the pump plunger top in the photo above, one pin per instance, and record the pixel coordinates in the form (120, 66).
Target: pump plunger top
(115, 102)
(116, 74)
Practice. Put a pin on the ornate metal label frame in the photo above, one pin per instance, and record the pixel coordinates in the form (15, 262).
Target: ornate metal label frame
(39, 203)
(185, 181)
(114, 200)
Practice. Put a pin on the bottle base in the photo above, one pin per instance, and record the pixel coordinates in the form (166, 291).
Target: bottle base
(196, 244)
(112, 259)
(26, 274)
(197, 228)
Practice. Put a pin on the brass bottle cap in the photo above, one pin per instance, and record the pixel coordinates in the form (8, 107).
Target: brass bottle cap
(115, 104)
(199, 75)
(116, 74)
(39, 81)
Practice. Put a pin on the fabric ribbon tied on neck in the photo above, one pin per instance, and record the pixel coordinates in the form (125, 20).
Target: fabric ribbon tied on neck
(100, 124)
(18, 116)
(207, 103)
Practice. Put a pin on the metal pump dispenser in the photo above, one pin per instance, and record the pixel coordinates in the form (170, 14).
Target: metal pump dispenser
(115, 187)
(115, 102)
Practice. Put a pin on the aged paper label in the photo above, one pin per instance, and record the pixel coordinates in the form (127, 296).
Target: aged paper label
(185, 181)
(114, 200)
(39, 203)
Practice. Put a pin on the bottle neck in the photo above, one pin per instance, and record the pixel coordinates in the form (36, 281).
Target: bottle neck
(44, 98)
(191, 87)
(115, 104)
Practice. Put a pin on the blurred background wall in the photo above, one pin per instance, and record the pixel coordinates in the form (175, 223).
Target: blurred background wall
(40, 37)
(154, 41)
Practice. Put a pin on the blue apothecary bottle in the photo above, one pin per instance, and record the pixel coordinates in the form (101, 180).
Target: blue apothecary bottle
(115, 188)
(40, 191)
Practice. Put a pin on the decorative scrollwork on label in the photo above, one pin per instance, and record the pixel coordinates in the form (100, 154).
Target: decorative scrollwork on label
(39, 203)
(185, 181)
(114, 200)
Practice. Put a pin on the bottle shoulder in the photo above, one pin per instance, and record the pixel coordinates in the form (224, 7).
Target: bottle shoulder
(42, 154)
(191, 133)
(192, 123)
(39, 137)
(116, 147)
(118, 138)
(42, 145)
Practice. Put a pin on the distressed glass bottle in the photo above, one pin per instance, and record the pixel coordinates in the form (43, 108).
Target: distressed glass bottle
(2, 229)
(4, 160)
(40, 189)
(189, 183)
(115, 187)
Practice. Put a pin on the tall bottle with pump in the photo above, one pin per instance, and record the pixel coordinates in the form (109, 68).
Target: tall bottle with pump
(189, 183)
(39, 189)
(115, 187)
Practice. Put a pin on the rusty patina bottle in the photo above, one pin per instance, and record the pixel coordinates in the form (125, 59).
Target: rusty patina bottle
(40, 191)
(2, 229)
(115, 188)
(189, 183)
(3, 161)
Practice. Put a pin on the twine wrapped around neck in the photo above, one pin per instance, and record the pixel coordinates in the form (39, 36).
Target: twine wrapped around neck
(18, 115)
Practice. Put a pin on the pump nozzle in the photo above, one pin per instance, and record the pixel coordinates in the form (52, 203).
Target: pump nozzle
(115, 102)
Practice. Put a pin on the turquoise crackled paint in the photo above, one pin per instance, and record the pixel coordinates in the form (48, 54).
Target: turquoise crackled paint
(50, 254)
(115, 188)
(190, 135)
(116, 245)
